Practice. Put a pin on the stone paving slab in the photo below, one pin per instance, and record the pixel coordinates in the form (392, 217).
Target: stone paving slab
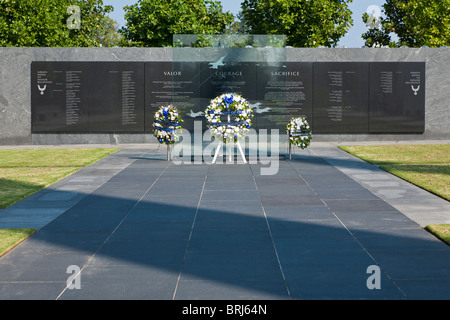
(419, 205)
(308, 232)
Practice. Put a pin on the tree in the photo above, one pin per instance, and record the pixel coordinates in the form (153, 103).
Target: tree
(152, 23)
(44, 23)
(306, 23)
(378, 34)
(107, 35)
(419, 23)
(237, 26)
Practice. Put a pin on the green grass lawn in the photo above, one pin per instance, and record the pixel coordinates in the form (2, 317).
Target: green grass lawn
(426, 166)
(35, 158)
(442, 231)
(26, 171)
(10, 238)
(433, 178)
(402, 154)
(19, 183)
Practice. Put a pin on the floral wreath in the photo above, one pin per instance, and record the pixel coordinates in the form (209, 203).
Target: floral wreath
(299, 132)
(229, 104)
(167, 125)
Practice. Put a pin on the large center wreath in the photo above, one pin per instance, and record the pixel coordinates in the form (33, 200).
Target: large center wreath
(230, 105)
(299, 132)
(167, 125)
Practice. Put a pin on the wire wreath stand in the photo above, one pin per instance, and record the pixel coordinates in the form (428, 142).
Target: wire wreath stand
(231, 131)
(220, 144)
(167, 126)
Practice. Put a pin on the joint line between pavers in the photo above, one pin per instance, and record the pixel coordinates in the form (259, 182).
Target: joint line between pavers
(356, 239)
(115, 229)
(189, 238)
(271, 238)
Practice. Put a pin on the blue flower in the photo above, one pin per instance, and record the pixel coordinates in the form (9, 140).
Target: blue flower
(166, 112)
(228, 99)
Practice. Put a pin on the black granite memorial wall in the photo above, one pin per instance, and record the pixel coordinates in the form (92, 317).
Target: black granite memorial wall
(335, 97)
(87, 97)
(397, 97)
(283, 92)
(341, 97)
(116, 97)
(59, 96)
(172, 83)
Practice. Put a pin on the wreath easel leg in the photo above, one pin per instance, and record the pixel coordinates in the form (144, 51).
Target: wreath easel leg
(219, 146)
(229, 104)
(230, 151)
(168, 152)
(242, 152)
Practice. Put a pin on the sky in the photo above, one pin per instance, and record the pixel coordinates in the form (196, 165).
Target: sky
(351, 40)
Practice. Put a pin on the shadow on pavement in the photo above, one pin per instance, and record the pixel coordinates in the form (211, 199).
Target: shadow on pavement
(159, 231)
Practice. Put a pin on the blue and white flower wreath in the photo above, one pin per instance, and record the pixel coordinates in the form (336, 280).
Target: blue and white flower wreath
(229, 104)
(299, 132)
(167, 125)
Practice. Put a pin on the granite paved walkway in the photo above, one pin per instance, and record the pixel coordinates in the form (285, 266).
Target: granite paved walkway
(139, 227)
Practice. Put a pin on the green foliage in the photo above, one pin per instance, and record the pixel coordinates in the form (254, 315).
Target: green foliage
(378, 34)
(152, 23)
(416, 23)
(107, 34)
(306, 23)
(43, 23)
(229, 40)
(420, 23)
